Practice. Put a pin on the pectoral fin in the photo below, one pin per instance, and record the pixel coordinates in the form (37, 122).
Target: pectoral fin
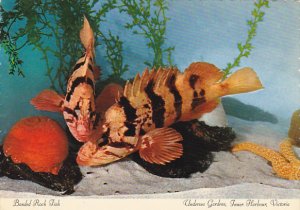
(48, 100)
(90, 154)
(161, 146)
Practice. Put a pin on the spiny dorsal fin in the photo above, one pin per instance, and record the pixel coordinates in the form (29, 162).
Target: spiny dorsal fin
(136, 85)
(169, 74)
(139, 83)
(127, 89)
(158, 77)
(144, 79)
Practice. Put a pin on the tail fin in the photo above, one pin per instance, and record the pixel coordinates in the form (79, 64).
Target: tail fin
(87, 37)
(242, 81)
(202, 86)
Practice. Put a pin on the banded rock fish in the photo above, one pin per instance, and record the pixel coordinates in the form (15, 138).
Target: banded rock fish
(139, 120)
(78, 105)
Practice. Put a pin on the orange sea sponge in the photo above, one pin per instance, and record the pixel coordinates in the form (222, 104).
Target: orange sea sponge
(39, 142)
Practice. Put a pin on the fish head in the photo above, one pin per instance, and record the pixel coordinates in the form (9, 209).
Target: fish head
(84, 123)
(116, 125)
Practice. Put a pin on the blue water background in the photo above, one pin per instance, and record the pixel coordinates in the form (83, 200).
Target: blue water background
(200, 31)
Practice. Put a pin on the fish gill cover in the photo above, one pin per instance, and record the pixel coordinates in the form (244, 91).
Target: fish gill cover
(36, 22)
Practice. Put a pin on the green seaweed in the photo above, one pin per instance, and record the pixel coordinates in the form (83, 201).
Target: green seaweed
(148, 18)
(114, 49)
(246, 48)
(60, 21)
(34, 22)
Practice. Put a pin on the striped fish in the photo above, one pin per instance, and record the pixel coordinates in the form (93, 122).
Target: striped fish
(78, 105)
(140, 119)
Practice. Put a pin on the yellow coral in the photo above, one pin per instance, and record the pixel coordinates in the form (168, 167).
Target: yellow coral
(285, 163)
(294, 131)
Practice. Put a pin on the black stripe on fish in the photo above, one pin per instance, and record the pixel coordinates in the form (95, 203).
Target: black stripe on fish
(197, 100)
(202, 92)
(78, 65)
(131, 129)
(130, 114)
(90, 107)
(70, 111)
(104, 138)
(193, 79)
(158, 105)
(76, 82)
(90, 67)
(120, 144)
(176, 94)
(77, 106)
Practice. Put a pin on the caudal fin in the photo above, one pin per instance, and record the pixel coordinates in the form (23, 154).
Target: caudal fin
(87, 36)
(242, 81)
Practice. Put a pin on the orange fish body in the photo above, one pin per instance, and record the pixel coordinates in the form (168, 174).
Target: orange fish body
(139, 120)
(78, 106)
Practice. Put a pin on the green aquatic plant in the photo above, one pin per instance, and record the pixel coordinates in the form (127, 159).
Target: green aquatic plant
(246, 47)
(114, 54)
(8, 43)
(52, 27)
(148, 18)
(112, 43)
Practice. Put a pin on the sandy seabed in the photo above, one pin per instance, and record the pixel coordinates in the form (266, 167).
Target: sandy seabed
(239, 175)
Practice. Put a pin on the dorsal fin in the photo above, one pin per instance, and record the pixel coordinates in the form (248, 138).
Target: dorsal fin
(144, 79)
(136, 85)
(158, 77)
(127, 89)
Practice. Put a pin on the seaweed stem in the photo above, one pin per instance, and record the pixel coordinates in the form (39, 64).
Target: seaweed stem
(245, 49)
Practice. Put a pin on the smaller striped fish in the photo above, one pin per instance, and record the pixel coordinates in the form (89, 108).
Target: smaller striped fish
(140, 119)
(78, 106)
